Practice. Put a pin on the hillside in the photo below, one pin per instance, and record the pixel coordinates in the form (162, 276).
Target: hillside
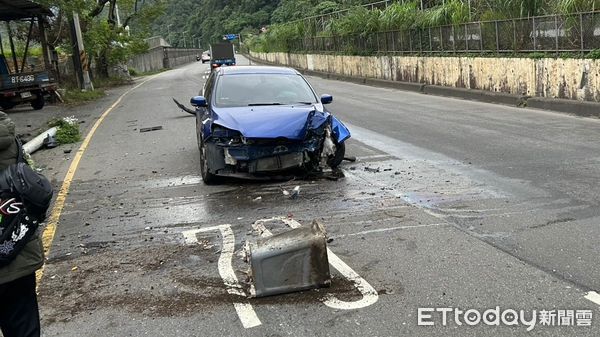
(207, 20)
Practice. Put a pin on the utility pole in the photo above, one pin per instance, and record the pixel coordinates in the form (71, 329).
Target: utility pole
(83, 66)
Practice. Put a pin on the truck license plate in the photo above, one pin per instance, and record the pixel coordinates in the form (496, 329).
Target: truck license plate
(26, 94)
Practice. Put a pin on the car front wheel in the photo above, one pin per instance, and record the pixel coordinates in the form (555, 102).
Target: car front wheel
(338, 157)
(207, 177)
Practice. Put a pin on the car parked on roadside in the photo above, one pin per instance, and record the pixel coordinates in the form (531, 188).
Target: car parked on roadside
(258, 121)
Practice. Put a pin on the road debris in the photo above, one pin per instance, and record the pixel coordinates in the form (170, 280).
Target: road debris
(50, 142)
(153, 128)
(295, 192)
(372, 170)
(291, 261)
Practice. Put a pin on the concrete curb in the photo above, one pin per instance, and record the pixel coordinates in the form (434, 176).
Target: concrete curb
(578, 108)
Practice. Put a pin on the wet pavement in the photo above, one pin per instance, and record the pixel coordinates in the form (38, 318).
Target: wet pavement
(451, 204)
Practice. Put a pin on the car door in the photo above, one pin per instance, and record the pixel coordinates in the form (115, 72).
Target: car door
(204, 116)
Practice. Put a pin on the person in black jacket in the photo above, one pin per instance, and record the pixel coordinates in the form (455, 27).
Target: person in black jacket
(19, 315)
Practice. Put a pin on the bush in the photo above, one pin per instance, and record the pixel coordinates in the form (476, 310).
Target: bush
(594, 54)
(68, 130)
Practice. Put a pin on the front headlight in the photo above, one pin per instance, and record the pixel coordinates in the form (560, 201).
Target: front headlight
(227, 136)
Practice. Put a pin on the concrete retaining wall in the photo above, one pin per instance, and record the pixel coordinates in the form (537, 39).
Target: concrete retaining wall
(575, 79)
(152, 60)
(163, 57)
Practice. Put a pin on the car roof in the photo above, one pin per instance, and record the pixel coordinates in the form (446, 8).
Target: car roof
(237, 70)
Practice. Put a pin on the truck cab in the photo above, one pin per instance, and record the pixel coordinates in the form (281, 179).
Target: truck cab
(20, 82)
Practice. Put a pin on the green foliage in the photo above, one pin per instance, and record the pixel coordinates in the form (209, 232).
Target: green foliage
(359, 20)
(450, 13)
(77, 96)
(67, 132)
(594, 54)
(289, 10)
(538, 56)
(507, 9)
(107, 42)
(575, 6)
(399, 16)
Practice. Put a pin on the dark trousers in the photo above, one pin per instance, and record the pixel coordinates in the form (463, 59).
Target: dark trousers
(19, 315)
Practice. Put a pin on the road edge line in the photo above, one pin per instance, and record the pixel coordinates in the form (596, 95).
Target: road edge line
(59, 203)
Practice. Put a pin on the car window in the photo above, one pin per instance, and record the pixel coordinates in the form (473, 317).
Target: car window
(238, 90)
(208, 87)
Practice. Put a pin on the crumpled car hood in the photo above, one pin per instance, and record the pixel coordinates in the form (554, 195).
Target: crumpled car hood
(289, 122)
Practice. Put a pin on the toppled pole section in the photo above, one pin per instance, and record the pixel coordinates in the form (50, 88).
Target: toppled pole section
(292, 261)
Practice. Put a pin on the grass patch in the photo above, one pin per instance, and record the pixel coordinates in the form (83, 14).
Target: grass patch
(75, 96)
(68, 130)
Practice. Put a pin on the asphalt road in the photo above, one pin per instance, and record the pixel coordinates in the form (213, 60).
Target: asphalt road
(475, 206)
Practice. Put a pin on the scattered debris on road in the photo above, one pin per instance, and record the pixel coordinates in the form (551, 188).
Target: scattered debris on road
(293, 194)
(153, 128)
(372, 170)
(291, 261)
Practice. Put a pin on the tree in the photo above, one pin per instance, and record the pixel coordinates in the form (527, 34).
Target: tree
(105, 39)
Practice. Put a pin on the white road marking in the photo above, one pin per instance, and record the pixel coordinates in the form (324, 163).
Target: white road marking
(244, 310)
(593, 296)
(377, 156)
(369, 293)
(389, 229)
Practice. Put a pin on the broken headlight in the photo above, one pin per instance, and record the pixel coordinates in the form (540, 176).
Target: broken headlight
(227, 136)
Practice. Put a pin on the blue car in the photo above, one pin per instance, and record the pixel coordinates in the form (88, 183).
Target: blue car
(258, 121)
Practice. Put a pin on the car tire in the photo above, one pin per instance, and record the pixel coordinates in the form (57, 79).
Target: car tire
(207, 177)
(338, 157)
(38, 102)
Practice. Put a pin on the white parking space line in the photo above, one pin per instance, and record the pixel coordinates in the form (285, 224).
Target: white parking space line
(369, 294)
(593, 296)
(244, 310)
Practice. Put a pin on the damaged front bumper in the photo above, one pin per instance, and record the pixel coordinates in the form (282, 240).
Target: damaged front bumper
(229, 153)
(260, 157)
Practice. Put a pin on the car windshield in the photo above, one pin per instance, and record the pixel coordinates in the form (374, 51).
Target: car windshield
(263, 89)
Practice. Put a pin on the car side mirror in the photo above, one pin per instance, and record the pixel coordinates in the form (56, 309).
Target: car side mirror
(326, 99)
(198, 102)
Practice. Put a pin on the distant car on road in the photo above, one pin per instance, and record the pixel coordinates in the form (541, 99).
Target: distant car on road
(205, 57)
(263, 121)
